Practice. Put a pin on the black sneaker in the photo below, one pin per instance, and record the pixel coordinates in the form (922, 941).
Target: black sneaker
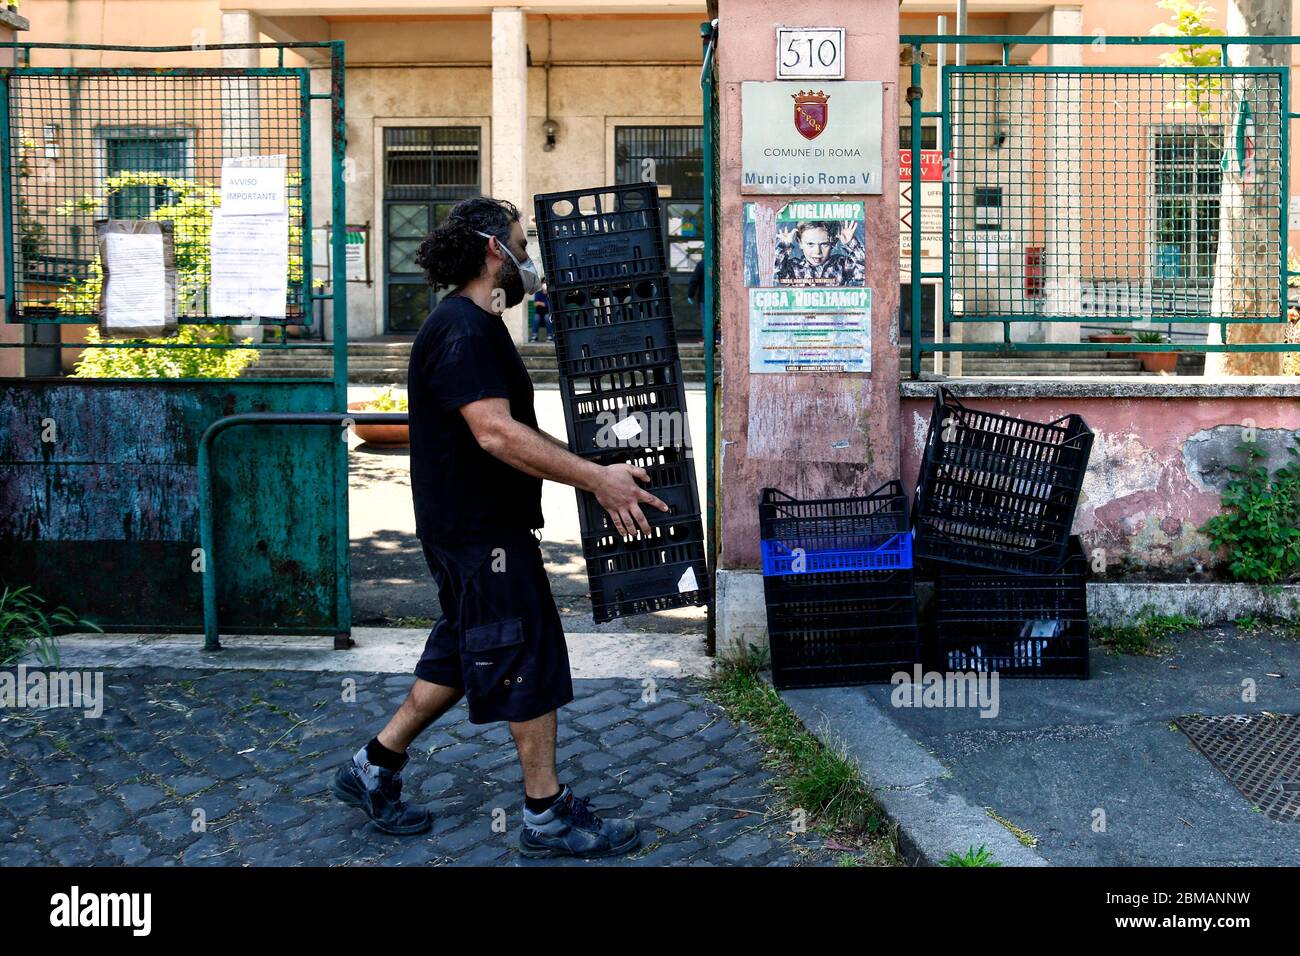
(378, 793)
(569, 828)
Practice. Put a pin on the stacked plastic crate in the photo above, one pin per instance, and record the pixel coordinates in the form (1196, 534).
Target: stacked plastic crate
(837, 580)
(621, 383)
(994, 505)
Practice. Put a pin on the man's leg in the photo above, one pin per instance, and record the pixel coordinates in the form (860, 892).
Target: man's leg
(424, 704)
(535, 741)
(556, 822)
(371, 780)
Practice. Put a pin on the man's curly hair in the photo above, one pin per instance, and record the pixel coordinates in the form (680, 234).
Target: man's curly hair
(454, 252)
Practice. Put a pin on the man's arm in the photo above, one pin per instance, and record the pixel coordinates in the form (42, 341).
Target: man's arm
(555, 441)
(540, 455)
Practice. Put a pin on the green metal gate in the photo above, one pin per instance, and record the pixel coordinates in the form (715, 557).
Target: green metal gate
(1135, 196)
(99, 482)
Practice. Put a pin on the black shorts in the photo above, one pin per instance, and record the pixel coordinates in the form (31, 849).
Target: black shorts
(499, 636)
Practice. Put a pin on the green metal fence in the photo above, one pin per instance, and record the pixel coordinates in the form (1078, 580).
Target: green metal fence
(1125, 196)
(141, 144)
(99, 477)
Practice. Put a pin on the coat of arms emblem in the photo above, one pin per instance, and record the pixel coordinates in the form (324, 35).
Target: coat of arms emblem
(811, 113)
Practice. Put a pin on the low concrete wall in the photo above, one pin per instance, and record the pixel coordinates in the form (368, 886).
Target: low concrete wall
(1160, 458)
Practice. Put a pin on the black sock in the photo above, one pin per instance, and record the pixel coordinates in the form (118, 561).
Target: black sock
(381, 756)
(541, 804)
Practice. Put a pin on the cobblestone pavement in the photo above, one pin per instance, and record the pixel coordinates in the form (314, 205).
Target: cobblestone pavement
(251, 754)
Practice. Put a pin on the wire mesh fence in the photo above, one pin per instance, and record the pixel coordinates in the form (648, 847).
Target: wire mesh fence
(1138, 194)
(142, 144)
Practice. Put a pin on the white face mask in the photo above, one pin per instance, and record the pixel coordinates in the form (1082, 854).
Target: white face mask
(528, 274)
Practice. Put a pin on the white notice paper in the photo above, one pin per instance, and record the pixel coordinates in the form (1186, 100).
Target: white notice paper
(627, 429)
(250, 265)
(136, 291)
(253, 186)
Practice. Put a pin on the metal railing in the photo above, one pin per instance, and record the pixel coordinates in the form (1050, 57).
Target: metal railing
(208, 518)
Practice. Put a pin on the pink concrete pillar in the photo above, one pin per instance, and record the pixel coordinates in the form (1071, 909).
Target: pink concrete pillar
(11, 360)
(809, 435)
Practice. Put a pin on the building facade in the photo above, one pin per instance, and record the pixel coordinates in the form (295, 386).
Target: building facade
(449, 98)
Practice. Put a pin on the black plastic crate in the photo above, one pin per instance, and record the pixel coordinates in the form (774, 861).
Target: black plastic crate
(862, 533)
(600, 234)
(998, 492)
(644, 573)
(616, 371)
(624, 402)
(604, 319)
(1020, 625)
(838, 629)
(672, 481)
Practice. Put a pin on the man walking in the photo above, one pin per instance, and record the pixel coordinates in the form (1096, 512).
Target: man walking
(477, 464)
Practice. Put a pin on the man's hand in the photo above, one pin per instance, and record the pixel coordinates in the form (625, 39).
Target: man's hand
(617, 491)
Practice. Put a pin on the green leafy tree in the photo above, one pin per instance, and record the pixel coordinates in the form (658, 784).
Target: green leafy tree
(1191, 18)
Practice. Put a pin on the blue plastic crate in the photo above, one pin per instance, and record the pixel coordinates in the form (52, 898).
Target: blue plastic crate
(837, 554)
(863, 533)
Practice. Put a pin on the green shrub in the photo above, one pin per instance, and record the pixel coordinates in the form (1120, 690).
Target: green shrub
(131, 362)
(26, 626)
(1259, 528)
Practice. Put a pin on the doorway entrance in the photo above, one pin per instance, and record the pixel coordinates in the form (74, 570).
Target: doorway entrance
(427, 170)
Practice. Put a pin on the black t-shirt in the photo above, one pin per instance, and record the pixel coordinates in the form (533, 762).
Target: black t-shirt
(462, 354)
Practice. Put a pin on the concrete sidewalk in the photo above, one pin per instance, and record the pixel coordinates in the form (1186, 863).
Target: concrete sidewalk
(1095, 771)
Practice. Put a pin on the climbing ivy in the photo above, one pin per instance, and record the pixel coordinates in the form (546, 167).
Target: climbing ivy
(1259, 528)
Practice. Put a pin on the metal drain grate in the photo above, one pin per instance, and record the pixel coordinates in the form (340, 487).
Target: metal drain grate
(1258, 753)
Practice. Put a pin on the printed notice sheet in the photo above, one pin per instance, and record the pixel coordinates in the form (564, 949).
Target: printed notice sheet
(809, 330)
(250, 265)
(253, 185)
(135, 295)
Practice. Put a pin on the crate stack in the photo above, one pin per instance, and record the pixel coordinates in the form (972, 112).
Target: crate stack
(622, 389)
(837, 580)
(994, 505)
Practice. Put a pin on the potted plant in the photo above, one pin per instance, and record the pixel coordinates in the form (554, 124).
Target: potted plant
(1163, 363)
(1113, 336)
(390, 436)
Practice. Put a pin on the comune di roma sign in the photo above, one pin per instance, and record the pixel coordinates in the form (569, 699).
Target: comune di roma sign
(810, 137)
